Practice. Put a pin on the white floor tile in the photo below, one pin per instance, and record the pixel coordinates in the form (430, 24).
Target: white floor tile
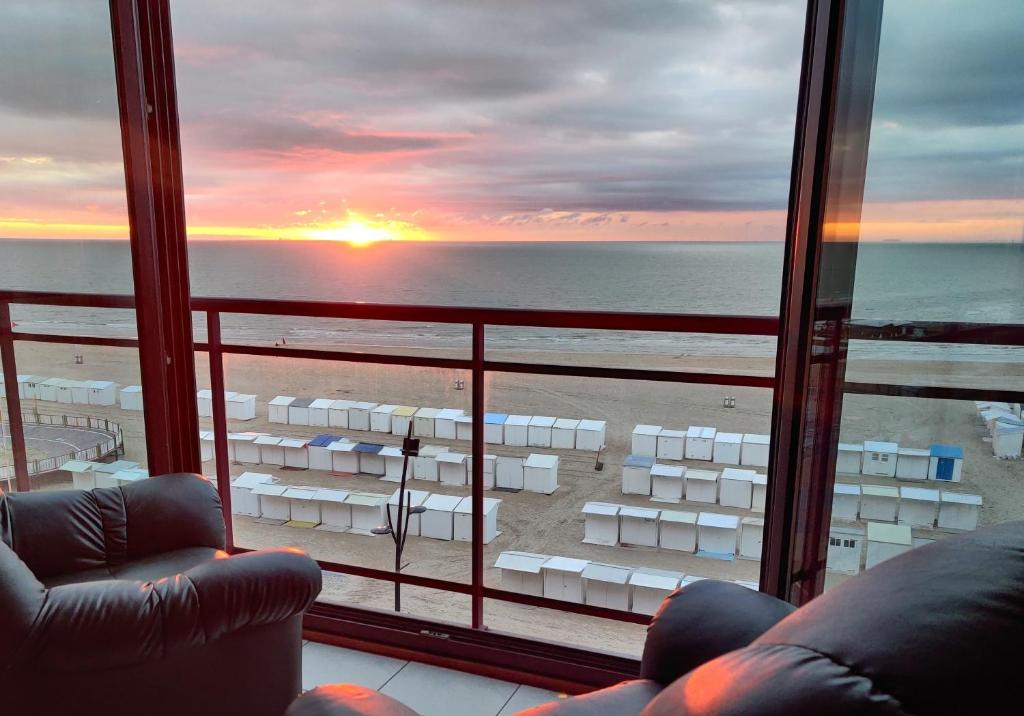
(527, 697)
(442, 692)
(324, 664)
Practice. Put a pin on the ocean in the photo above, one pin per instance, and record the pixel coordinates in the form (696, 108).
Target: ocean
(935, 282)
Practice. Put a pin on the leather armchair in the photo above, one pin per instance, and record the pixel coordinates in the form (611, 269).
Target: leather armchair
(121, 601)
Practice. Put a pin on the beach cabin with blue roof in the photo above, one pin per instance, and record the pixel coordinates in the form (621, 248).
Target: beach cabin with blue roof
(371, 461)
(946, 462)
(494, 428)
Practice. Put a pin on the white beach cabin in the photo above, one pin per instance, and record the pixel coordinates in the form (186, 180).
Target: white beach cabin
(879, 503)
(606, 585)
(79, 391)
(636, 475)
(494, 428)
(359, 415)
(464, 519)
(83, 475)
(946, 463)
(540, 473)
(667, 482)
(638, 526)
(645, 440)
(601, 523)
(538, 433)
(344, 458)
(204, 401)
(413, 498)
(918, 506)
(242, 448)
(509, 472)
(240, 406)
(490, 461)
(277, 409)
(649, 587)
(850, 458)
(66, 391)
(702, 486)
(754, 451)
(451, 468)
(1008, 438)
(105, 472)
(243, 501)
(751, 537)
(845, 502)
(464, 427)
(563, 434)
(298, 411)
(304, 506)
(563, 578)
(101, 392)
(520, 572)
(371, 462)
(590, 435)
(736, 487)
(131, 397)
(717, 534)
(444, 423)
(206, 439)
(671, 444)
(394, 461)
(912, 464)
(758, 492)
(880, 458)
(727, 448)
(426, 466)
(958, 511)
(296, 453)
(335, 514)
(273, 504)
(271, 450)
(517, 430)
(700, 443)
(367, 511)
(438, 522)
(337, 413)
(48, 389)
(845, 550)
(320, 412)
(886, 541)
(380, 418)
(678, 531)
(423, 422)
(320, 458)
(401, 418)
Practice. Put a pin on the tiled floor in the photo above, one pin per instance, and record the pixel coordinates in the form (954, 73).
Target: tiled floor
(429, 690)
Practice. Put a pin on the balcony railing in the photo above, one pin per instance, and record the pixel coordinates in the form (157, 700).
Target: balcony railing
(478, 364)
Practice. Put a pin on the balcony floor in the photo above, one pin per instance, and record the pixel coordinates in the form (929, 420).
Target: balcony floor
(429, 690)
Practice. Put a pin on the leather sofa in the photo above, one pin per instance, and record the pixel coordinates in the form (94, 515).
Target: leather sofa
(121, 601)
(937, 630)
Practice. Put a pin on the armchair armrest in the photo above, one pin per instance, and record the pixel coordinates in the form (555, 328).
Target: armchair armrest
(101, 625)
(702, 621)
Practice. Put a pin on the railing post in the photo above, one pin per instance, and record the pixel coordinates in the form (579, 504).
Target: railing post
(477, 517)
(14, 417)
(220, 424)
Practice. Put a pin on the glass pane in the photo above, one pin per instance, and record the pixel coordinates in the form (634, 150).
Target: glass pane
(941, 238)
(63, 228)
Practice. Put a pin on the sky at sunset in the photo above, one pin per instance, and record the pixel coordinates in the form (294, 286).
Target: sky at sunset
(518, 120)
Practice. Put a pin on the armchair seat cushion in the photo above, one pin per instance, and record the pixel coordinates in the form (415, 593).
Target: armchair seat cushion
(146, 569)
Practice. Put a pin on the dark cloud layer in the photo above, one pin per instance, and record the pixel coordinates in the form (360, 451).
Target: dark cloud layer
(520, 105)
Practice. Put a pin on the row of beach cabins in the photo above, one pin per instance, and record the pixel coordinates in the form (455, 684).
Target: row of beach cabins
(732, 487)
(637, 589)
(445, 517)
(537, 472)
(64, 390)
(1005, 426)
(911, 506)
(444, 423)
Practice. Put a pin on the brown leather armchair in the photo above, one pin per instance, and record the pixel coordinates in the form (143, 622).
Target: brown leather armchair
(121, 601)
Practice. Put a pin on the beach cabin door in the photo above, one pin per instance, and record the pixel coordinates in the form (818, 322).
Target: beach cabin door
(944, 471)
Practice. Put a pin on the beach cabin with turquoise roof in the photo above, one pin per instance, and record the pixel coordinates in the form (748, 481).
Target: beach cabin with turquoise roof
(946, 462)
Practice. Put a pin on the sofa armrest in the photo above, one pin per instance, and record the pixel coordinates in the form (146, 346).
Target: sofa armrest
(21, 598)
(171, 512)
(100, 625)
(254, 588)
(702, 621)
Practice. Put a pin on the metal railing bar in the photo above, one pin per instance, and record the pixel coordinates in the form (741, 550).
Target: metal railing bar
(668, 376)
(346, 356)
(563, 606)
(939, 392)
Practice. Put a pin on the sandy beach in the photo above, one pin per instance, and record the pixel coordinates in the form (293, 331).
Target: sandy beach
(550, 524)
